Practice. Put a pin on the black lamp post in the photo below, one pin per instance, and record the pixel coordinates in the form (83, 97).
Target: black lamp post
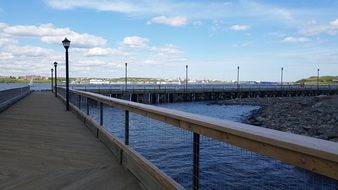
(237, 77)
(317, 79)
(51, 82)
(186, 77)
(66, 44)
(125, 76)
(281, 78)
(56, 80)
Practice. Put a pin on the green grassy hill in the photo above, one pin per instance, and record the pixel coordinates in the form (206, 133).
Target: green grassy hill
(322, 80)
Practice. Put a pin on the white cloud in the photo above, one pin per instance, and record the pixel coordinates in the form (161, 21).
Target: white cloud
(313, 28)
(295, 39)
(2, 25)
(244, 44)
(6, 41)
(196, 10)
(104, 52)
(101, 5)
(88, 63)
(89, 54)
(50, 34)
(168, 54)
(334, 23)
(134, 41)
(24, 60)
(77, 40)
(239, 27)
(171, 21)
(5, 56)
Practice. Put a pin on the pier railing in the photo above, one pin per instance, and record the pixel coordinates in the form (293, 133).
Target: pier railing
(206, 87)
(316, 160)
(10, 96)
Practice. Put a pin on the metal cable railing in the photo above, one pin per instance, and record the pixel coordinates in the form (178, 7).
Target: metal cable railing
(200, 152)
(10, 96)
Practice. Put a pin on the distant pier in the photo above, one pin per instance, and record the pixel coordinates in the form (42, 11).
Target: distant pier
(169, 95)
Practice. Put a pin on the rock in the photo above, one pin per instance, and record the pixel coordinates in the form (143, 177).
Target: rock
(332, 121)
(311, 116)
(260, 119)
(305, 127)
(326, 118)
(321, 97)
(333, 139)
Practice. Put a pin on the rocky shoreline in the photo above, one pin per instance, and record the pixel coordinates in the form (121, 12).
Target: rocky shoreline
(311, 116)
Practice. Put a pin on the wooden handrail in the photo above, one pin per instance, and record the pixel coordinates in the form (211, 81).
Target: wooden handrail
(136, 90)
(316, 155)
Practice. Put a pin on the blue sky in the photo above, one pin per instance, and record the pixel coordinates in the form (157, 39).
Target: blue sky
(158, 38)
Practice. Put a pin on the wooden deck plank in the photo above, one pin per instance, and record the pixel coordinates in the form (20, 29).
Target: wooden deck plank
(44, 147)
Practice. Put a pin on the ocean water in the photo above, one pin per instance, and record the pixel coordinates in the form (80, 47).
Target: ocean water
(222, 166)
(6, 86)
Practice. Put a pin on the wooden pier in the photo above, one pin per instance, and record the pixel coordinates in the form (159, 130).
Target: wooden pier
(44, 147)
(167, 95)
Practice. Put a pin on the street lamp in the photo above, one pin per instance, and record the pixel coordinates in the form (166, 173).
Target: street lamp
(56, 80)
(66, 44)
(51, 82)
(237, 77)
(281, 78)
(186, 77)
(125, 76)
(318, 79)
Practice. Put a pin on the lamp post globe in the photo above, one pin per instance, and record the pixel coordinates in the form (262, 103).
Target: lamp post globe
(66, 44)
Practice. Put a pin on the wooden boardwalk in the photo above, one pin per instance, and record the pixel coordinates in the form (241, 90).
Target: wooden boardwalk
(44, 147)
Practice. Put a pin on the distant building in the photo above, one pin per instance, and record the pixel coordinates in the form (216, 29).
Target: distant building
(30, 77)
(98, 81)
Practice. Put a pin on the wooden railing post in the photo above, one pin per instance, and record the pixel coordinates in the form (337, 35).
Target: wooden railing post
(196, 161)
(126, 124)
